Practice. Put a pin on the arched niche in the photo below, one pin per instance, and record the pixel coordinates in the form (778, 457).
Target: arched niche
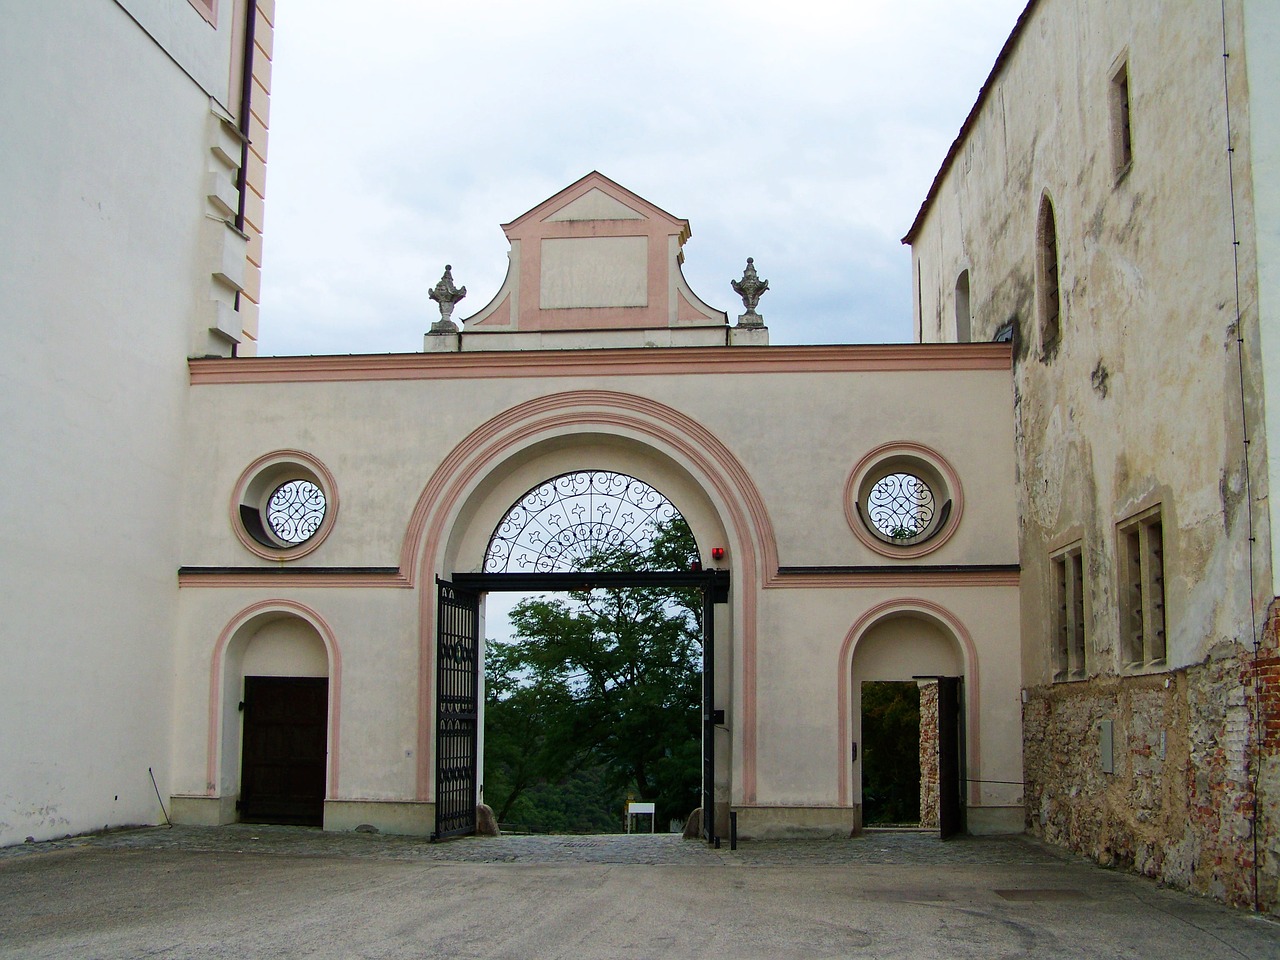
(901, 640)
(273, 638)
(286, 646)
(901, 647)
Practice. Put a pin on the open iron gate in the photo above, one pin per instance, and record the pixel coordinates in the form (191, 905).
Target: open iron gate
(458, 677)
(457, 710)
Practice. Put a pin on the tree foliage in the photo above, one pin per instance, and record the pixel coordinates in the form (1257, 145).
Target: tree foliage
(891, 752)
(600, 686)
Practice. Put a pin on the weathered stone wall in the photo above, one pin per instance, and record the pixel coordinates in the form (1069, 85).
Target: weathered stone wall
(929, 754)
(1144, 396)
(1265, 688)
(1179, 804)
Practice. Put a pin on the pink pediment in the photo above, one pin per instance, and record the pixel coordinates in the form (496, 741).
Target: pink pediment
(595, 257)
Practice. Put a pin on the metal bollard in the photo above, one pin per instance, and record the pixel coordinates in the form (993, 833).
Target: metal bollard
(733, 829)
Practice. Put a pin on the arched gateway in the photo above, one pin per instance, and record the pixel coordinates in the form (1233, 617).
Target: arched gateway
(588, 529)
(822, 484)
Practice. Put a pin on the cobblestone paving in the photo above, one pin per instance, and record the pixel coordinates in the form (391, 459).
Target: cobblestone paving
(245, 891)
(881, 848)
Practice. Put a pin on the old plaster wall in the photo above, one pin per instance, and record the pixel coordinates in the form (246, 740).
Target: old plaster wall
(1142, 402)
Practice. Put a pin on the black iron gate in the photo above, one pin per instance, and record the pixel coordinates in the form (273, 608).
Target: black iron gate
(951, 773)
(709, 717)
(457, 709)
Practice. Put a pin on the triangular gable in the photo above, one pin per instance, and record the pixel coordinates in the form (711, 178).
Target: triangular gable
(600, 263)
(595, 204)
(553, 207)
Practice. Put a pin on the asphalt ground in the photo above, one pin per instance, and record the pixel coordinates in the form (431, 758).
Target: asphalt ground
(282, 892)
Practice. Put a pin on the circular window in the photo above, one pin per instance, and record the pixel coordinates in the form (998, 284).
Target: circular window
(900, 508)
(296, 510)
(903, 500)
(284, 505)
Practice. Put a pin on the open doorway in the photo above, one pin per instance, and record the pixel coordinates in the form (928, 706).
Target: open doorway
(605, 689)
(894, 755)
(591, 701)
(908, 726)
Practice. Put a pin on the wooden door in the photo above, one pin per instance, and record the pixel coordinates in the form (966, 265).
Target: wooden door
(951, 763)
(285, 747)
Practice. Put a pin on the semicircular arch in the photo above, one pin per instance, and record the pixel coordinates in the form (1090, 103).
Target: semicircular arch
(479, 479)
(574, 521)
(224, 690)
(951, 627)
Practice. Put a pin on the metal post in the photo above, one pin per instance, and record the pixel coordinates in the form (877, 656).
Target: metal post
(708, 715)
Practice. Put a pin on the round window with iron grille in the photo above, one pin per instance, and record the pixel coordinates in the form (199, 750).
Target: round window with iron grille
(900, 508)
(903, 500)
(284, 505)
(296, 510)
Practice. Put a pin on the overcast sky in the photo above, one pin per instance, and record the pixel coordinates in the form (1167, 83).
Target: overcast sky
(802, 134)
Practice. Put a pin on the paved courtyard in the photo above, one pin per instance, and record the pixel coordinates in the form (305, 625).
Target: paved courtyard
(249, 891)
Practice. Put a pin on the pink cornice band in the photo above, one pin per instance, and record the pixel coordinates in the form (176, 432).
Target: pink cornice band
(611, 362)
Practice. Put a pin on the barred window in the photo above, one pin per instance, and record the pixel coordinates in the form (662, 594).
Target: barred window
(1121, 131)
(1142, 594)
(1068, 619)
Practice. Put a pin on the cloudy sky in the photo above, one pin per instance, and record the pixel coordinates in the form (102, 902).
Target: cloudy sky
(803, 134)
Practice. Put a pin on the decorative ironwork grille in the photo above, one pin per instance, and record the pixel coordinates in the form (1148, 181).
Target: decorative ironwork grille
(296, 510)
(457, 710)
(900, 507)
(560, 525)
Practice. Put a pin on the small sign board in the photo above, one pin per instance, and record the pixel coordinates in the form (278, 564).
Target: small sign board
(641, 807)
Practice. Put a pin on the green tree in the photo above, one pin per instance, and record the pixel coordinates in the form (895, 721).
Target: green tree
(891, 752)
(601, 679)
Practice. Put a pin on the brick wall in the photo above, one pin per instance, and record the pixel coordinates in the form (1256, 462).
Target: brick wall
(1179, 804)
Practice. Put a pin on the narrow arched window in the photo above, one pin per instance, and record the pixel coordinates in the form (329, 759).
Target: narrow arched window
(964, 319)
(1049, 291)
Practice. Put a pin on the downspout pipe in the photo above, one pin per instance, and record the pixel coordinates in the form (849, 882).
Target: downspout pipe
(1259, 727)
(246, 97)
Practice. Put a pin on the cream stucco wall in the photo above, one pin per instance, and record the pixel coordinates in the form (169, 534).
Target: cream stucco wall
(104, 260)
(427, 453)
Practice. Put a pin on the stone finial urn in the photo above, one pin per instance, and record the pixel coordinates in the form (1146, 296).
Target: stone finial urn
(749, 288)
(446, 295)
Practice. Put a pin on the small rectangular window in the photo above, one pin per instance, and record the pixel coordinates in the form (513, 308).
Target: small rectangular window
(1121, 130)
(1142, 597)
(1069, 625)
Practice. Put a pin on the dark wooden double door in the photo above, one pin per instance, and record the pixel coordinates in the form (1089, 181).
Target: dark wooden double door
(285, 746)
